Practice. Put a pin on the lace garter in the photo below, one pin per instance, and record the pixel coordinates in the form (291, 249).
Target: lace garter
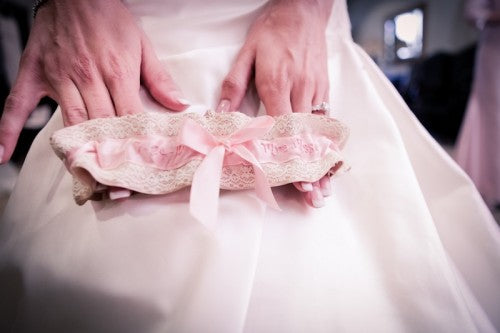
(159, 153)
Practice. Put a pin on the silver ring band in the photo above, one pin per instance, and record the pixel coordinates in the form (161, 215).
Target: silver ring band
(323, 106)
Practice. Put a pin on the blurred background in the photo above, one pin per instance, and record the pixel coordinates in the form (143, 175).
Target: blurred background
(426, 48)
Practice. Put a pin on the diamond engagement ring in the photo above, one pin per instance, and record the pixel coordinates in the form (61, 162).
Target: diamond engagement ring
(324, 107)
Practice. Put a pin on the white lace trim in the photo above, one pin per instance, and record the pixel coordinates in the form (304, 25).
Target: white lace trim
(88, 175)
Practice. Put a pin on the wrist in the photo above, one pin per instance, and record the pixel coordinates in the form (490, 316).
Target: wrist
(37, 5)
(323, 7)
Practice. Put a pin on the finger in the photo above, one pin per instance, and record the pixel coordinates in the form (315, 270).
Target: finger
(97, 100)
(124, 90)
(315, 198)
(323, 89)
(274, 91)
(325, 186)
(322, 94)
(303, 186)
(276, 103)
(158, 82)
(302, 96)
(126, 98)
(88, 80)
(71, 102)
(235, 83)
(22, 100)
(322, 81)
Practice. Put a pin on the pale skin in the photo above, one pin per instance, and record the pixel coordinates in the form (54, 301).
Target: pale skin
(285, 51)
(91, 57)
(481, 13)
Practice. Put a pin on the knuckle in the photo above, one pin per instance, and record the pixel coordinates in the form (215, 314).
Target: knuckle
(273, 84)
(53, 70)
(231, 84)
(163, 77)
(83, 68)
(157, 90)
(117, 69)
(100, 112)
(308, 80)
(8, 124)
(15, 103)
(75, 114)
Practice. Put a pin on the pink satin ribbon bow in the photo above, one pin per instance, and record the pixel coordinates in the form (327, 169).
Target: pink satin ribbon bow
(205, 186)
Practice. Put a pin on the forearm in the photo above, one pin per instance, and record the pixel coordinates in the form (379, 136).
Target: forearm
(480, 14)
(320, 8)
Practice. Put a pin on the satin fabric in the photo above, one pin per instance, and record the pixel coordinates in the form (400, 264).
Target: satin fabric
(205, 188)
(405, 243)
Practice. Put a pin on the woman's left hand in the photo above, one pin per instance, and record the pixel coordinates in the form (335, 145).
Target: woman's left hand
(285, 51)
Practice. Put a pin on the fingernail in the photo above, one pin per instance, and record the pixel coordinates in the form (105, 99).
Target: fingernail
(224, 106)
(2, 150)
(317, 199)
(178, 97)
(308, 187)
(119, 193)
(184, 101)
(318, 203)
(326, 189)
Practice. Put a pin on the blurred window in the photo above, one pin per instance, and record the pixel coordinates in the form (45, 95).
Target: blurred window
(404, 35)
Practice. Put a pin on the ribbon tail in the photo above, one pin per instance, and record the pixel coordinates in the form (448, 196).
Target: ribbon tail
(204, 196)
(262, 187)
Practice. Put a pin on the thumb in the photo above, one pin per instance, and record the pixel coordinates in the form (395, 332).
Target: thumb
(158, 82)
(235, 84)
(22, 100)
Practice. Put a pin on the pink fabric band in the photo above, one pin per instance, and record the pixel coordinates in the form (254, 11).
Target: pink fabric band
(206, 180)
(198, 151)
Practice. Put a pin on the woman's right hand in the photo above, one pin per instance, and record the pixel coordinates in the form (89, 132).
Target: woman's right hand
(90, 57)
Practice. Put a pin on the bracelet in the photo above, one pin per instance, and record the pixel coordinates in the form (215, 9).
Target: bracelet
(37, 5)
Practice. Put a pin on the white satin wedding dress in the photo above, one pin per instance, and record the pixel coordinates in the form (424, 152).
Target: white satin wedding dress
(405, 242)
